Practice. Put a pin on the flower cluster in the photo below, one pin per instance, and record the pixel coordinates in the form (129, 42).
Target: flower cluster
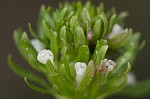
(75, 48)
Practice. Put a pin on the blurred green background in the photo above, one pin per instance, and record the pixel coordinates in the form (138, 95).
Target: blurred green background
(15, 13)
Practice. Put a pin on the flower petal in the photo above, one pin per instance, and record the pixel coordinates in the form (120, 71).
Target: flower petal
(37, 45)
(45, 55)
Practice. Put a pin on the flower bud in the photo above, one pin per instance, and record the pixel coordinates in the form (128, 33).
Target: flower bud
(80, 69)
(110, 65)
(45, 55)
(37, 45)
(117, 29)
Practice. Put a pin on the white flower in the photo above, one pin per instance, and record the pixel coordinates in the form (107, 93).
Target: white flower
(45, 55)
(131, 79)
(37, 45)
(80, 69)
(117, 29)
(109, 65)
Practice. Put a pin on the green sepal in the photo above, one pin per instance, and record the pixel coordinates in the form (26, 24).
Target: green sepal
(111, 23)
(59, 24)
(79, 37)
(86, 15)
(63, 35)
(73, 23)
(91, 10)
(100, 51)
(100, 54)
(83, 54)
(68, 17)
(96, 49)
(63, 13)
(105, 25)
(97, 29)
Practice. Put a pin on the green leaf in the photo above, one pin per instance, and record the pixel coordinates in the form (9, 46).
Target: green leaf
(83, 54)
(33, 34)
(59, 24)
(68, 17)
(100, 8)
(86, 15)
(27, 47)
(122, 60)
(17, 37)
(100, 51)
(79, 37)
(135, 40)
(24, 73)
(96, 49)
(142, 45)
(45, 15)
(65, 76)
(53, 41)
(120, 18)
(91, 9)
(105, 25)
(111, 22)
(100, 54)
(41, 90)
(73, 23)
(31, 54)
(62, 85)
(63, 35)
(97, 29)
(63, 12)
(64, 61)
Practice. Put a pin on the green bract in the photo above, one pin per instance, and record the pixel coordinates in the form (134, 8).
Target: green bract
(78, 34)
